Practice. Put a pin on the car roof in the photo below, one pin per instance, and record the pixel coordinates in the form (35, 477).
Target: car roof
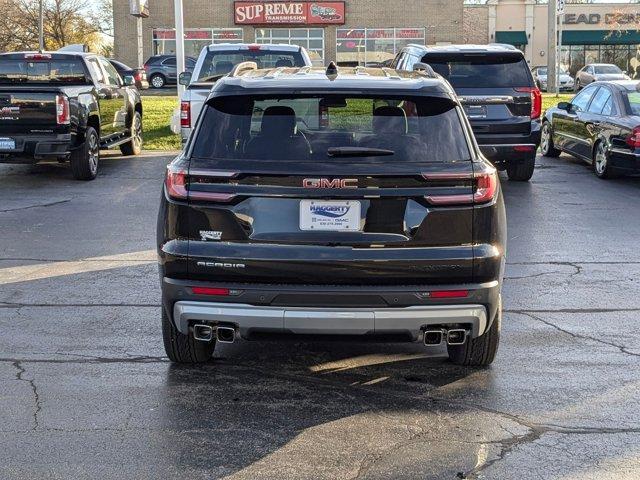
(474, 48)
(345, 79)
(54, 55)
(630, 85)
(250, 46)
(600, 65)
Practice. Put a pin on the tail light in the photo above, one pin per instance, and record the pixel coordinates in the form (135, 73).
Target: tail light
(146, 68)
(63, 116)
(485, 188)
(536, 100)
(185, 114)
(254, 47)
(177, 186)
(137, 75)
(449, 294)
(633, 140)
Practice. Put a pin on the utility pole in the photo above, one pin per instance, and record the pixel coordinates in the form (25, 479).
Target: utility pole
(559, 17)
(552, 45)
(179, 44)
(140, 44)
(41, 27)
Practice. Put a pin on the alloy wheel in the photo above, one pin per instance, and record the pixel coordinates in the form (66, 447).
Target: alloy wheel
(544, 141)
(601, 159)
(94, 152)
(157, 82)
(136, 132)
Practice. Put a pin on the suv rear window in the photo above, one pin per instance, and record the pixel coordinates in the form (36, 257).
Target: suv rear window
(331, 128)
(221, 62)
(50, 71)
(481, 70)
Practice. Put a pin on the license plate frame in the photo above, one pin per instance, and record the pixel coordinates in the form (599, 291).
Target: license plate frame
(476, 111)
(7, 143)
(330, 215)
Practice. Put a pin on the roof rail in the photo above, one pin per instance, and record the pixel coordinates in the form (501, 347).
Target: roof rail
(390, 73)
(242, 67)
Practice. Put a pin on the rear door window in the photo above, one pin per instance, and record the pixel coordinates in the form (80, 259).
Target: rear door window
(326, 128)
(600, 99)
(476, 70)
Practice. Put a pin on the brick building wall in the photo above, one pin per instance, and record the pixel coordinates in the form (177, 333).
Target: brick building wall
(475, 20)
(443, 20)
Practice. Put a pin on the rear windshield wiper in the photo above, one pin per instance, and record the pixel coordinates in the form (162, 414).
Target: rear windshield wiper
(358, 152)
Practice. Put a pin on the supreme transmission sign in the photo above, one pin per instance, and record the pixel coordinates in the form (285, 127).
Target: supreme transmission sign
(296, 13)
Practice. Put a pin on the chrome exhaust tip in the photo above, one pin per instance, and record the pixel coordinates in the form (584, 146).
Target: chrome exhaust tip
(456, 336)
(433, 338)
(203, 333)
(225, 334)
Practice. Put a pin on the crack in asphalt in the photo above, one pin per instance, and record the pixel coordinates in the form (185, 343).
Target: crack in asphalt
(50, 204)
(85, 359)
(36, 396)
(623, 349)
(577, 269)
(535, 433)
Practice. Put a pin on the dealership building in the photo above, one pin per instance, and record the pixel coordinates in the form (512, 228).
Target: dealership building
(363, 31)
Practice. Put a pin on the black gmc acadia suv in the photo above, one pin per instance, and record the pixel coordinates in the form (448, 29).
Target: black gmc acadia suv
(498, 93)
(339, 202)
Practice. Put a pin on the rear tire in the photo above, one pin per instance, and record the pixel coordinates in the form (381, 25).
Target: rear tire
(84, 159)
(134, 146)
(546, 144)
(522, 171)
(481, 351)
(182, 348)
(157, 81)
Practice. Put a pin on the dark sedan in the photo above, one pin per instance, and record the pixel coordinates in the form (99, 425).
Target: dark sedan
(600, 125)
(138, 74)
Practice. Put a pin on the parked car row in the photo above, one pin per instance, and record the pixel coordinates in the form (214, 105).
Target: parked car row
(590, 73)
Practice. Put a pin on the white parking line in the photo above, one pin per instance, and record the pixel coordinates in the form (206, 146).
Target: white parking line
(28, 273)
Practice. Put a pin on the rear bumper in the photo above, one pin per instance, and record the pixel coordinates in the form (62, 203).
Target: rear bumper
(328, 321)
(331, 310)
(31, 148)
(625, 161)
(509, 148)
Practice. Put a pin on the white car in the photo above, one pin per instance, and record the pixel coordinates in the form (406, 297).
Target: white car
(216, 61)
(540, 76)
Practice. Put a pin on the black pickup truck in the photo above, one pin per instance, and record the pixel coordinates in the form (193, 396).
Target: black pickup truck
(66, 107)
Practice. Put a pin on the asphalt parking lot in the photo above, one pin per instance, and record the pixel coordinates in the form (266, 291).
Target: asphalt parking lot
(86, 392)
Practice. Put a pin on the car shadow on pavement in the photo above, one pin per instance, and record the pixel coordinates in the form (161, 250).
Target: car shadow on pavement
(262, 406)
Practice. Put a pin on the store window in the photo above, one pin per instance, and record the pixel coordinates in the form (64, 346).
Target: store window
(627, 57)
(310, 38)
(373, 46)
(164, 39)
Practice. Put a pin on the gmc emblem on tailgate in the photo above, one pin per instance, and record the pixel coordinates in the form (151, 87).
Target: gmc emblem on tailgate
(326, 183)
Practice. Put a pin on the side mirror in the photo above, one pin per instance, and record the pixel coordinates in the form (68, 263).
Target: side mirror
(424, 67)
(184, 78)
(129, 80)
(564, 106)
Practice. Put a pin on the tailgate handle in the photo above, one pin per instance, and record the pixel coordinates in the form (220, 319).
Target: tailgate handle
(485, 99)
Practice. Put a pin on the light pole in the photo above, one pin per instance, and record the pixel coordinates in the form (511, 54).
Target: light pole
(552, 45)
(41, 27)
(179, 44)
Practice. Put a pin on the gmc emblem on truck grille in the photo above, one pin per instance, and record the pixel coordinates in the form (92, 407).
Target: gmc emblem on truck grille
(326, 183)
